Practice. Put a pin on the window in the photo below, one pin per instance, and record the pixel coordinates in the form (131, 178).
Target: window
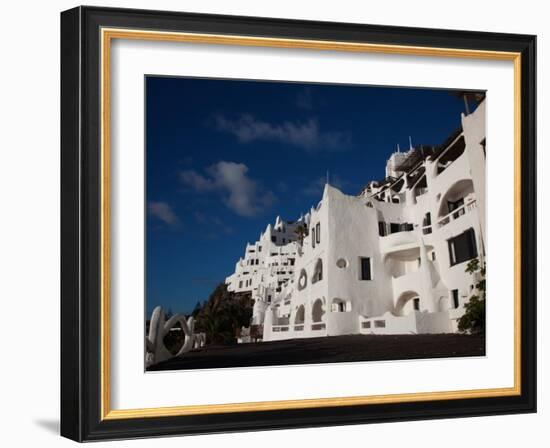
(268, 299)
(302, 280)
(241, 284)
(365, 269)
(426, 224)
(259, 248)
(462, 247)
(382, 231)
(284, 241)
(454, 293)
(313, 237)
(318, 233)
(273, 239)
(291, 260)
(416, 304)
(433, 255)
(318, 272)
(257, 261)
(394, 227)
(454, 205)
(342, 263)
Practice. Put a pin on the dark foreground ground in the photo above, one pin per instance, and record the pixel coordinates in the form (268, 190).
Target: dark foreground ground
(329, 349)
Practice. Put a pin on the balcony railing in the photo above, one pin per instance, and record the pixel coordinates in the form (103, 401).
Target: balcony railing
(279, 328)
(457, 213)
(317, 327)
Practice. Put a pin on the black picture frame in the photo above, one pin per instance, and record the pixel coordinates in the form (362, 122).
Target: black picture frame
(81, 380)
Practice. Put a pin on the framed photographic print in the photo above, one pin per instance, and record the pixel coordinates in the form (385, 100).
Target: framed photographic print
(276, 224)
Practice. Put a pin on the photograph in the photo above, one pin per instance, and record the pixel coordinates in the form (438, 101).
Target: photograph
(297, 223)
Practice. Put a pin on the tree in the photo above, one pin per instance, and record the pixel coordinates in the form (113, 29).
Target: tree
(197, 308)
(473, 320)
(223, 314)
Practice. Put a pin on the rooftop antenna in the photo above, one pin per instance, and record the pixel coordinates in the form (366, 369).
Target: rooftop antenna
(328, 176)
(410, 143)
(398, 148)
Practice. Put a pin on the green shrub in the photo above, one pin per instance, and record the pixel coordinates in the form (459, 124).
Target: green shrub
(473, 320)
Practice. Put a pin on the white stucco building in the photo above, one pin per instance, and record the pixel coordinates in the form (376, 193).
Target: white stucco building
(390, 260)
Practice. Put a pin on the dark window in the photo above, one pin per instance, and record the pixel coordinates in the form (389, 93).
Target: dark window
(241, 284)
(382, 231)
(416, 304)
(318, 233)
(313, 237)
(394, 227)
(454, 205)
(454, 293)
(273, 239)
(291, 260)
(268, 299)
(433, 255)
(426, 223)
(259, 248)
(462, 247)
(365, 269)
(257, 261)
(284, 241)
(427, 219)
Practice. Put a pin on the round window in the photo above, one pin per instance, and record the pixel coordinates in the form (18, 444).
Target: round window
(342, 263)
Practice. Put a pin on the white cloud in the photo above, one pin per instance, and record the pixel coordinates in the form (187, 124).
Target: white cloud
(163, 211)
(306, 135)
(196, 181)
(239, 192)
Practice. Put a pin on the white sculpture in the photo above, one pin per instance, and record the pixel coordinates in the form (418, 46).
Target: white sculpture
(155, 350)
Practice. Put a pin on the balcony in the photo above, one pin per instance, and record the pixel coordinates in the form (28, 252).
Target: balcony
(398, 242)
(457, 213)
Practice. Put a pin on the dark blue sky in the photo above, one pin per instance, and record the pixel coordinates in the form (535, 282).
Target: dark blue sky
(225, 157)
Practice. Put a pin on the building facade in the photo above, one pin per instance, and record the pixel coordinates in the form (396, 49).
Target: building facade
(390, 260)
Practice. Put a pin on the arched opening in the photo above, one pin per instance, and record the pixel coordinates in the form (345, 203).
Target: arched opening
(450, 154)
(457, 198)
(408, 302)
(299, 318)
(318, 271)
(317, 311)
(338, 306)
(302, 280)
